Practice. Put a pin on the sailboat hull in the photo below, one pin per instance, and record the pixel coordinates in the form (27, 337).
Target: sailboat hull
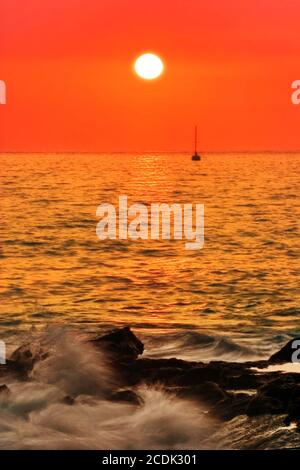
(196, 157)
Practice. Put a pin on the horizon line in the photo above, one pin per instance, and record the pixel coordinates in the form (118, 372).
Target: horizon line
(92, 152)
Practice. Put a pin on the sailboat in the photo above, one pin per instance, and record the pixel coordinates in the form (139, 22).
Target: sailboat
(196, 157)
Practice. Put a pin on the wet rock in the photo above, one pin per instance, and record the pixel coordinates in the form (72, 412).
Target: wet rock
(294, 410)
(4, 391)
(261, 404)
(243, 381)
(199, 374)
(207, 392)
(121, 344)
(230, 407)
(219, 385)
(148, 365)
(147, 371)
(211, 384)
(164, 371)
(283, 389)
(24, 357)
(68, 400)
(5, 368)
(284, 355)
(165, 375)
(281, 395)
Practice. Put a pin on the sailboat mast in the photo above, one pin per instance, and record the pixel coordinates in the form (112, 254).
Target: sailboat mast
(195, 140)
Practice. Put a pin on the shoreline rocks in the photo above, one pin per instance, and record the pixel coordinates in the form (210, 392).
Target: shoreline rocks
(228, 389)
(120, 345)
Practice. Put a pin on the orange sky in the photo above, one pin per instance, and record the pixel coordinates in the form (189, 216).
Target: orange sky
(67, 65)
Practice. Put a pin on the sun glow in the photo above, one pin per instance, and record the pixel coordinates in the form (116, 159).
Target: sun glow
(149, 66)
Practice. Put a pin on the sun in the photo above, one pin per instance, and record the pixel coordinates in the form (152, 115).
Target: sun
(149, 66)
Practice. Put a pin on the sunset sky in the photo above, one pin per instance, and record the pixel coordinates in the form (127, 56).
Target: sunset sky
(68, 68)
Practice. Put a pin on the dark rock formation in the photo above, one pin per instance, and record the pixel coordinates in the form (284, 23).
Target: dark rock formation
(68, 400)
(293, 409)
(201, 373)
(165, 371)
(207, 392)
(24, 358)
(228, 389)
(121, 344)
(261, 404)
(284, 355)
(234, 405)
(4, 391)
(277, 396)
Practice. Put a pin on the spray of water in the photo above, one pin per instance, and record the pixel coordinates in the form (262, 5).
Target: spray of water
(35, 414)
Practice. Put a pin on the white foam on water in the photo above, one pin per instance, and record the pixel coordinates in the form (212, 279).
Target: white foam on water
(33, 415)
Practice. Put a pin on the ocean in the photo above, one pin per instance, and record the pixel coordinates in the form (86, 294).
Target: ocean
(236, 299)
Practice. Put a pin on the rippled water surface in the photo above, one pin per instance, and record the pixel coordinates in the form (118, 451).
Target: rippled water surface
(243, 285)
